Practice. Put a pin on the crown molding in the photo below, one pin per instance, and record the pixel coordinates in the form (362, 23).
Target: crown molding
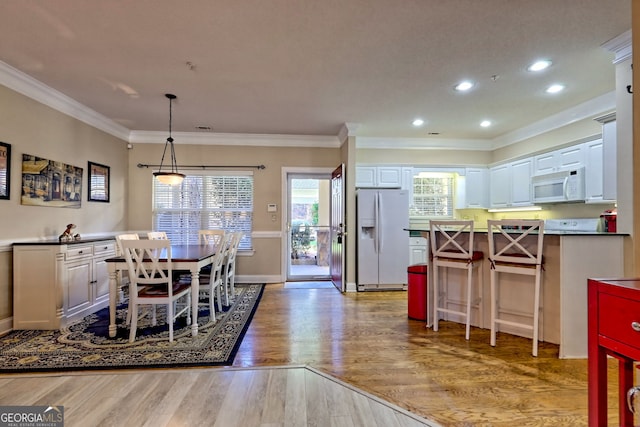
(237, 139)
(423, 144)
(28, 86)
(621, 46)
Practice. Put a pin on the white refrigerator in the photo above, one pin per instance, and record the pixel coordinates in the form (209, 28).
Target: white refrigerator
(382, 220)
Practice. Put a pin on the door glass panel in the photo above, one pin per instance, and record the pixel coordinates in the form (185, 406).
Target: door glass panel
(309, 229)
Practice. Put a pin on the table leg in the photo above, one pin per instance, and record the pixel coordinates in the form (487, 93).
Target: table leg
(195, 289)
(113, 290)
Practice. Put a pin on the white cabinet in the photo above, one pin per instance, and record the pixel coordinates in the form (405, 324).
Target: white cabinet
(562, 159)
(379, 176)
(594, 172)
(510, 184)
(55, 284)
(417, 250)
(476, 188)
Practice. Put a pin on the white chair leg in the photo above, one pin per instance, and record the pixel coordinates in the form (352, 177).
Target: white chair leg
(436, 296)
(170, 320)
(536, 312)
(133, 310)
(219, 298)
(494, 302)
(469, 295)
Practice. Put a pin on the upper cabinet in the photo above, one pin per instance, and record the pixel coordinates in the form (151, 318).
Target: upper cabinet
(384, 177)
(559, 160)
(472, 189)
(510, 184)
(600, 164)
(379, 176)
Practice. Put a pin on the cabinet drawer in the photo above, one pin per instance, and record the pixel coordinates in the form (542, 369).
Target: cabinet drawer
(74, 252)
(417, 241)
(616, 317)
(102, 248)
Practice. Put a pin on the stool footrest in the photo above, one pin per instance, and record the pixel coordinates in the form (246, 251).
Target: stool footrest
(517, 324)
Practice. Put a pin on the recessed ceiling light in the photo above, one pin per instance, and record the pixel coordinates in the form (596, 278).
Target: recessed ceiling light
(539, 65)
(555, 88)
(463, 86)
(418, 122)
(485, 123)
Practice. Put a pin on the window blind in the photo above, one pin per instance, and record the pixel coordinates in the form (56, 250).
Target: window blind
(433, 196)
(223, 201)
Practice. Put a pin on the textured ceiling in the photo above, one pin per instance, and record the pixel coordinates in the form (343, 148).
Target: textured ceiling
(306, 67)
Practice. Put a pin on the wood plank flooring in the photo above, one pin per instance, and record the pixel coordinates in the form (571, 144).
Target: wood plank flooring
(362, 339)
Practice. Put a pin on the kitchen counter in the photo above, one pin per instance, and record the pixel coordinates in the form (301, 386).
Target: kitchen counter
(570, 259)
(57, 242)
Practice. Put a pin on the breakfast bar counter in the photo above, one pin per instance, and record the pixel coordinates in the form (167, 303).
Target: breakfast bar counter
(570, 259)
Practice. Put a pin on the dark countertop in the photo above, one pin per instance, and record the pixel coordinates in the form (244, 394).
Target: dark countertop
(56, 242)
(546, 232)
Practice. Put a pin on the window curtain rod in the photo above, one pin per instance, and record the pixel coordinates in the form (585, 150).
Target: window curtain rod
(203, 167)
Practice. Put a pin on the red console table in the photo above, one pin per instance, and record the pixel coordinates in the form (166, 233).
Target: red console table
(614, 330)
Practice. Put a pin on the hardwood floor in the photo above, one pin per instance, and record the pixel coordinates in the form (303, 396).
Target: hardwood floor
(362, 339)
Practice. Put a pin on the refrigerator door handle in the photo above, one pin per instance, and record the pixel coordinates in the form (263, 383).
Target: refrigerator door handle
(376, 229)
(379, 224)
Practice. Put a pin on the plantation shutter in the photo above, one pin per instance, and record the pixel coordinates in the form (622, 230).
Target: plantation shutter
(223, 201)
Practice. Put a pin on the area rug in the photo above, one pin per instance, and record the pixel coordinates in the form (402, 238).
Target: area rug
(86, 345)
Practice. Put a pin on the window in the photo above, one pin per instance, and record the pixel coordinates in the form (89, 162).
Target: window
(433, 195)
(223, 200)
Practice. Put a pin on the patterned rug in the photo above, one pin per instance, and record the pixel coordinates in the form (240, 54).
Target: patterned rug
(86, 345)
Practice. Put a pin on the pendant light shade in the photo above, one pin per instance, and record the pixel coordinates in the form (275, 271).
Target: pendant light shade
(172, 177)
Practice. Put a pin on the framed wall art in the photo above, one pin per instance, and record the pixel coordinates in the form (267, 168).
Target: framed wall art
(5, 170)
(99, 182)
(50, 183)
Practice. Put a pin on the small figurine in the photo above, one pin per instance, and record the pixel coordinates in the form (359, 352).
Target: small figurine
(68, 236)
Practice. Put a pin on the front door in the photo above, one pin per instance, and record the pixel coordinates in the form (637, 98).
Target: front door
(337, 227)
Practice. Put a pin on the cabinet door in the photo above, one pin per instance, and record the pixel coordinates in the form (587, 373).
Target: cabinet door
(79, 275)
(500, 188)
(571, 157)
(609, 160)
(521, 183)
(365, 176)
(389, 176)
(594, 171)
(476, 190)
(100, 279)
(417, 250)
(545, 163)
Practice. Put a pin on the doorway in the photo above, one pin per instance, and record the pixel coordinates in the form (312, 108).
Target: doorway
(308, 217)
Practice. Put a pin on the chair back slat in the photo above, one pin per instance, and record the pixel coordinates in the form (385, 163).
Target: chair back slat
(508, 243)
(143, 261)
(451, 239)
(207, 237)
(157, 235)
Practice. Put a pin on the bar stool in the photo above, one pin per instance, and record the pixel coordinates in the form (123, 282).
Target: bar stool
(452, 247)
(511, 251)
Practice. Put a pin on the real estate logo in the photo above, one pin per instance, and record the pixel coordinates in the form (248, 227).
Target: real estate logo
(31, 416)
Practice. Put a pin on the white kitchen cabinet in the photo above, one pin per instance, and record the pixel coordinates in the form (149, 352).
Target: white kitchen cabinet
(55, 284)
(379, 176)
(366, 176)
(594, 171)
(417, 250)
(558, 160)
(476, 191)
(510, 184)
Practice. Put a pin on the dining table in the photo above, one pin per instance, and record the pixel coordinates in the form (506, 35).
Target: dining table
(184, 257)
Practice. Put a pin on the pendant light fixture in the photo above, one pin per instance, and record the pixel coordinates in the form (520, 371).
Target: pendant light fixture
(173, 177)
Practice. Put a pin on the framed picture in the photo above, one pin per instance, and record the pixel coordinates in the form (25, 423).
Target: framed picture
(99, 182)
(5, 170)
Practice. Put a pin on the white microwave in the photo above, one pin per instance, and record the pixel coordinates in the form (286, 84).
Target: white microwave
(563, 186)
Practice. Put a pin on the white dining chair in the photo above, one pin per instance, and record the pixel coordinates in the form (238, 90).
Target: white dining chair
(212, 281)
(210, 236)
(229, 267)
(157, 235)
(452, 246)
(151, 282)
(515, 246)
